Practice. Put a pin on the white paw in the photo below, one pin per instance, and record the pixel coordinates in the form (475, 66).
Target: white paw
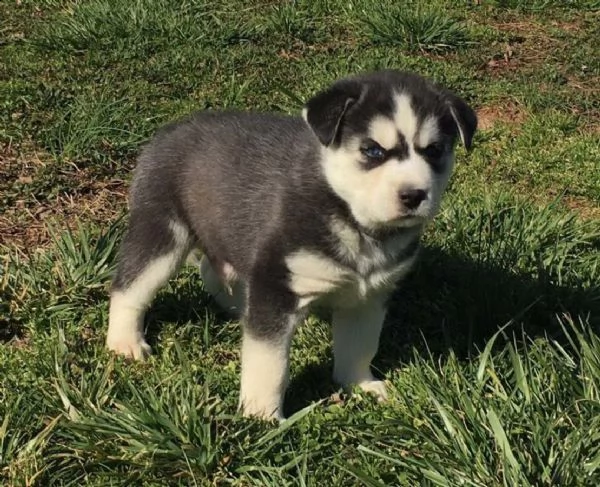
(264, 412)
(131, 346)
(263, 378)
(376, 387)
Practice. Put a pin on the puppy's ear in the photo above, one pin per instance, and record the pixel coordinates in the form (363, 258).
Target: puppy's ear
(325, 112)
(464, 117)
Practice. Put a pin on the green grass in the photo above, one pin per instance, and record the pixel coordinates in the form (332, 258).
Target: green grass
(492, 347)
(414, 26)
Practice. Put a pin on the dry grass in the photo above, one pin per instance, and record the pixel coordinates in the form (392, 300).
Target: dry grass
(25, 217)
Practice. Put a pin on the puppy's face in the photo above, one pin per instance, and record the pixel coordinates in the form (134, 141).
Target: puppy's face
(388, 140)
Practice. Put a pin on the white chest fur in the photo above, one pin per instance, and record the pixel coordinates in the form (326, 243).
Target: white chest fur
(368, 266)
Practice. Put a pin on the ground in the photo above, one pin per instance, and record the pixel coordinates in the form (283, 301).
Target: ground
(491, 348)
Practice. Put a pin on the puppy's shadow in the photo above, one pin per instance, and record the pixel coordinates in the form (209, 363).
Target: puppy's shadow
(448, 303)
(181, 304)
(453, 304)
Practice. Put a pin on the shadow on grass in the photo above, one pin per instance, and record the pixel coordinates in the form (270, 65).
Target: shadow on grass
(447, 303)
(450, 303)
(183, 304)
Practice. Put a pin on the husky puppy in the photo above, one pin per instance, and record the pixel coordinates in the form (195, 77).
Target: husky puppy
(290, 212)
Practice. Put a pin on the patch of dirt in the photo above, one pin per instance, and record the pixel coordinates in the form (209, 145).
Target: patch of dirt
(583, 207)
(588, 85)
(15, 340)
(24, 219)
(529, 44)
(567, 26)
(589, 119)
(516, 51)
(506, 111)
(27, 227)
(593, 128)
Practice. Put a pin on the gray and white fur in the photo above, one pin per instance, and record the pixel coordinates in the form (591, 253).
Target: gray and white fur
(289, 212)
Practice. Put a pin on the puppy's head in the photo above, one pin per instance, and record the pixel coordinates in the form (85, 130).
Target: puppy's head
(388, 144)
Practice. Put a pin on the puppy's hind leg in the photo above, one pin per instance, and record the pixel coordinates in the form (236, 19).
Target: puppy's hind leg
(150, 254)
(224, 286)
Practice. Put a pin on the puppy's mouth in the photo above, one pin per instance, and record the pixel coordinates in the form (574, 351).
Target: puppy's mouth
(409, 220)
(404, 221)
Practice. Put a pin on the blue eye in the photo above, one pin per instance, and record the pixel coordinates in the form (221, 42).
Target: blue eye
(374, 152)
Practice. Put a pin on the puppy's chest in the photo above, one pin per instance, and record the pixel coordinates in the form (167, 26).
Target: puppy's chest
(359, 269)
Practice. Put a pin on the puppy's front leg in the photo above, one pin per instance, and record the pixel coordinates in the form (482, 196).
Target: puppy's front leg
(356, 331)
(268, 329)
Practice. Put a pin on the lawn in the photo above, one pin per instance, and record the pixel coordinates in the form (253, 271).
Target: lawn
(492, 345)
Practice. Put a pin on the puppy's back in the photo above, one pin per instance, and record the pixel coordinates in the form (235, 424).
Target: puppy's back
(217, 166)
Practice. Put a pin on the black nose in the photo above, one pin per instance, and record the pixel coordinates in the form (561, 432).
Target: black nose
(411, 198)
